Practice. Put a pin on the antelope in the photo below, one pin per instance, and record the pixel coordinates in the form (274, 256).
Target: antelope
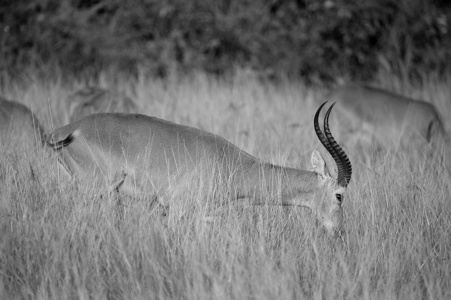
(155, 155)
(91, 100)
(18, 123)
(374, 115)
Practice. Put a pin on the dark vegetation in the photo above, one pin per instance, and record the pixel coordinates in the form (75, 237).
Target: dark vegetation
(317, 40)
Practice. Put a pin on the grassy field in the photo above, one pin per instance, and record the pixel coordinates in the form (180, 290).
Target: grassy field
(63, 241)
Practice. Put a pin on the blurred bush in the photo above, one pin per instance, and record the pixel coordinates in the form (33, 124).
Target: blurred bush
(318, 40)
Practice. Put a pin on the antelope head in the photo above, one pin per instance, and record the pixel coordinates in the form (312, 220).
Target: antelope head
(329, 195)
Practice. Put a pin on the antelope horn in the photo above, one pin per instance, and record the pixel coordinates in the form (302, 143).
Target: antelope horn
(338, 154)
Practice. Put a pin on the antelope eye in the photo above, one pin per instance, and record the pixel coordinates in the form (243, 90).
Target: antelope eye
(339, 197)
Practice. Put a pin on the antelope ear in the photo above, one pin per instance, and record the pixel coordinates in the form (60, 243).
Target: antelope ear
(318, 164)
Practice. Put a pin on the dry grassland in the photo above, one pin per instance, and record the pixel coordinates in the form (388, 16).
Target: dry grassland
(63, 241)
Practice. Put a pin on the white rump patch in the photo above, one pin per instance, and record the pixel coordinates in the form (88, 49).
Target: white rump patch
(76, 133)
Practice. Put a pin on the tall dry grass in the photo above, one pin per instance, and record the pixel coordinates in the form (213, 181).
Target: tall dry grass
(63, 241)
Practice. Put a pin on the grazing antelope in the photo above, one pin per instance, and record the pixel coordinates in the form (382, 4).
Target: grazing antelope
(155, 155)
(91, 100)
(18, 123)
(386, 118)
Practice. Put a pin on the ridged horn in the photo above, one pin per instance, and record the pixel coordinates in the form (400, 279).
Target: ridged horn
(344, 168)
(338, 154)
(322, 138)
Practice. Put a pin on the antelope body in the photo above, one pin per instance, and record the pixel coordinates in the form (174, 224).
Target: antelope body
(156, 155)
(386, 118)
(91, 100)
(18, 123)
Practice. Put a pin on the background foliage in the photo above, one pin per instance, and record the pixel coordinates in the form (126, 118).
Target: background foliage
(318, 40)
